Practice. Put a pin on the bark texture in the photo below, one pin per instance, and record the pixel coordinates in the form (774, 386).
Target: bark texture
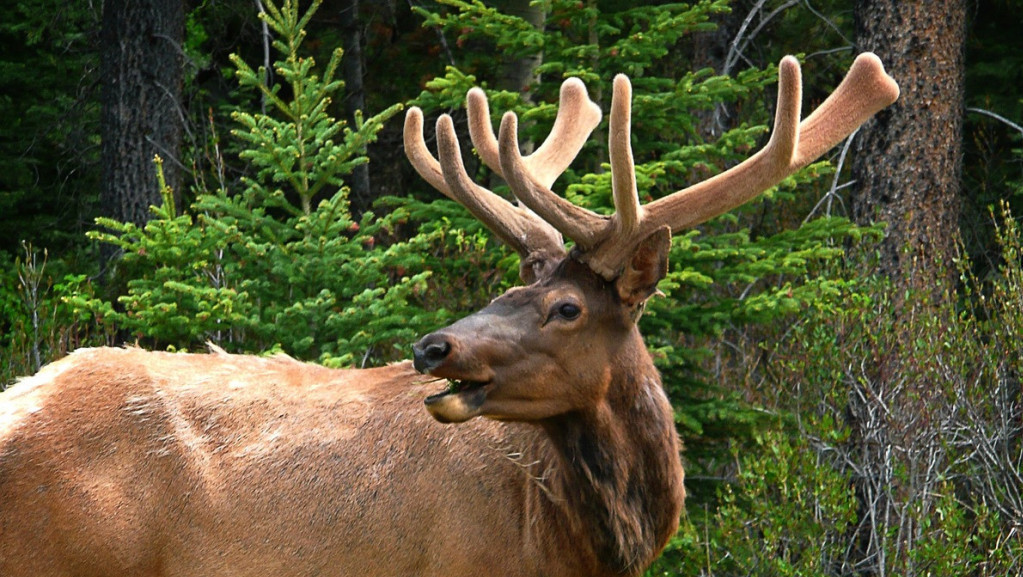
(908, 161)
(141, 114)
(353, 68)
(907, 165)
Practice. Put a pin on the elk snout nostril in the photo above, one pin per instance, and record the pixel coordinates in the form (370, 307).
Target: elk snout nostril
(430, 352)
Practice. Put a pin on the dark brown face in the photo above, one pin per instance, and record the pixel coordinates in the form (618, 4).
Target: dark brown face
(534, 352)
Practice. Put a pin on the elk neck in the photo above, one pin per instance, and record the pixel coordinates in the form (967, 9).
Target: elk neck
(617, 477)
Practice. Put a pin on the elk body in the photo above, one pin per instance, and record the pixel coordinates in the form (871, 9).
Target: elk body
(125, 462)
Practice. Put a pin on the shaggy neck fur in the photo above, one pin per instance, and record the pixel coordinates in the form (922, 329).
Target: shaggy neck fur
(618, 474)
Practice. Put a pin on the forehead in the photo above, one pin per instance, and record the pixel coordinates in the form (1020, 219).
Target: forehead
(569, 277)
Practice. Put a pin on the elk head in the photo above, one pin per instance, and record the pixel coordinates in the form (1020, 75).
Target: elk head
(553, 346)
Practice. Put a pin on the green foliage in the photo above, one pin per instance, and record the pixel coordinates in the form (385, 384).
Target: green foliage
(280, 264)
(580, 40)
(784, 513)
(723, 288)
(595, 44)
(49, 148)
(36, 322)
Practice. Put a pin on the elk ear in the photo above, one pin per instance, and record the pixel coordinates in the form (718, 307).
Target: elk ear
(646, 267)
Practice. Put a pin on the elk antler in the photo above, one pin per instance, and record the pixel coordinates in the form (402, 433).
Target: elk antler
(605, 242)
(536, 241)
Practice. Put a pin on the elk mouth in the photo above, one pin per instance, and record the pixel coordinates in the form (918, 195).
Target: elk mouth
(459, 402)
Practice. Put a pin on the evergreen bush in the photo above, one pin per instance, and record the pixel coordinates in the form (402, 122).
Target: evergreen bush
(280, 264)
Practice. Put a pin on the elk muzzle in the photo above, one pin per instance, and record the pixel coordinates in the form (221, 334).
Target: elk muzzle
(437, 354)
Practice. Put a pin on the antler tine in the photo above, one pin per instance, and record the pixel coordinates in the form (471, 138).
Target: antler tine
(866, 89)
(480, 130)
(577, 117)
(419, 155)
(732, 188)
(534, 240)
(577, 223)
(628, 212)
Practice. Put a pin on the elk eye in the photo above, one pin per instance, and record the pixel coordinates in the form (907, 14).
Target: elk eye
(569, 311)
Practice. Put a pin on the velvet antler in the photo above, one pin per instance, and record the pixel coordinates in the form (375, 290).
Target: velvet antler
(536, 241)
(604, 242)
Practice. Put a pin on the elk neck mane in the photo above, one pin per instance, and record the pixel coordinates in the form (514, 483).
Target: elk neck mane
(617, 481)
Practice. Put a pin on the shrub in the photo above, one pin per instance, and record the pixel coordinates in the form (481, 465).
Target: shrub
(36, 322)
(918, 405)
(280, 264)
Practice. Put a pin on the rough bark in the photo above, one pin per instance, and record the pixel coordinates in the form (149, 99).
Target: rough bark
(141, 117)
(908, 161)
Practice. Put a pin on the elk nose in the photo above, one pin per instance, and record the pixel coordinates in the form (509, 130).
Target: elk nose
(430, 352)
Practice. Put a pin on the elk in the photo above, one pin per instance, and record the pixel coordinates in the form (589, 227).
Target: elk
(117, 461)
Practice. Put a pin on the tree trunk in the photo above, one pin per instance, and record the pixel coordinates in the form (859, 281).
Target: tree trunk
(906, 166)
(520, 73)
(353, 69)
(907, 162)
(141, 115)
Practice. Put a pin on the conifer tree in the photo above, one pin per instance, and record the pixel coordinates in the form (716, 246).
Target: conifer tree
(279, 264)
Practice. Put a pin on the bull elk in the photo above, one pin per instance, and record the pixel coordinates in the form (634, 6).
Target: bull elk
(132, 463)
